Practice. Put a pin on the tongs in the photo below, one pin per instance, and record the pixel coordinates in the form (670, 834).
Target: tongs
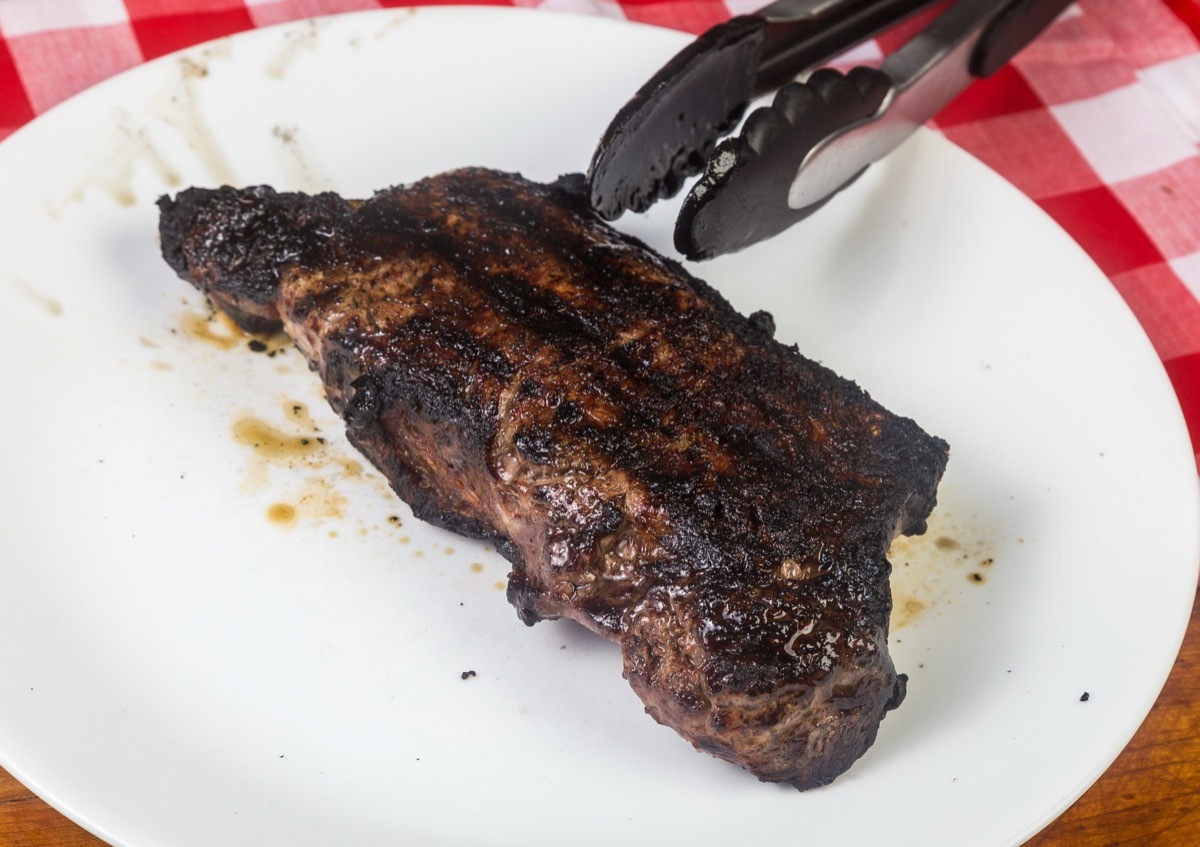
(817, 136)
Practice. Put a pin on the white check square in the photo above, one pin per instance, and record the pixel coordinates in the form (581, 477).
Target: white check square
(1177, 84)
(1125, 133)
(22, 17)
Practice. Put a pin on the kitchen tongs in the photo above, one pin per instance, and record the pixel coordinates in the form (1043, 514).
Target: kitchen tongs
(817, 136)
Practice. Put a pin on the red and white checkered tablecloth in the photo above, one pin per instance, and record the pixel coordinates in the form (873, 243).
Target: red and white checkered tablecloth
(1098, 121)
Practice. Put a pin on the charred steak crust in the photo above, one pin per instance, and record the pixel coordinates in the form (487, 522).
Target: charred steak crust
(654, 465)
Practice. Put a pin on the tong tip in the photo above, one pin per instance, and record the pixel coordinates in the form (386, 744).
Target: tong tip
(742, 198)
(670, 127)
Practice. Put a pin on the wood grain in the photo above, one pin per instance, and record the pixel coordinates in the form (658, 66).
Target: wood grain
(25, 821)
(1150, 797)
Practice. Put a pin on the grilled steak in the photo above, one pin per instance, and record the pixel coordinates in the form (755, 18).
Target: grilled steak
(654, 465)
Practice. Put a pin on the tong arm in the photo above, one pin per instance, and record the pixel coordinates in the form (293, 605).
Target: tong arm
(801, 34)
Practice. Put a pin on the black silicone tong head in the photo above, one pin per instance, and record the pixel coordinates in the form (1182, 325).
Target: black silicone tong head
(753, 172)
(667, 132)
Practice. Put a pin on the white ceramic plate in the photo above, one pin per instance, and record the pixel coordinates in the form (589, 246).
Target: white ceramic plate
(187, 662)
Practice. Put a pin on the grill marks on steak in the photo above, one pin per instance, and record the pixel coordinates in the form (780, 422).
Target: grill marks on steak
(654, 465)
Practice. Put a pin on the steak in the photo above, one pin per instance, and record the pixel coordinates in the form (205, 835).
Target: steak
(653, 464)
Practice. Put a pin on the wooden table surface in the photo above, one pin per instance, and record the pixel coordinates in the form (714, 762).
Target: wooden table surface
(1150, 797)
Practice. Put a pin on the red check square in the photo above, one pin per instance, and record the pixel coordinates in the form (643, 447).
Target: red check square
(1187, 11)
(1184, 374)
(165, 34)
(175, 8)
(1003, 93)
(1104, 229)
(686, 15)
(15, 108)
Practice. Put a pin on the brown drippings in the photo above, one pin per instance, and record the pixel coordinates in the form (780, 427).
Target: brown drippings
(273, 443)
(301, 37)
(911, 608)
(281, 513)
(215, 329)
(476, 567)
(304, 169)
(48, 304)
(319, 499)
(401, 17)
(179, 107)
(300, 414)
(926, 569)
(118, 161)
(297, 447)
(189, 68)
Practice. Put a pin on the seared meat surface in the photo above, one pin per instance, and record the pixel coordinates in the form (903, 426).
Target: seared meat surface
(654, 465)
